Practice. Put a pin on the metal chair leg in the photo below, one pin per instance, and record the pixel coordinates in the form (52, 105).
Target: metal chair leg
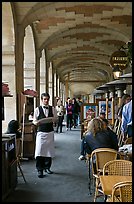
(18, 164)
(89, 176)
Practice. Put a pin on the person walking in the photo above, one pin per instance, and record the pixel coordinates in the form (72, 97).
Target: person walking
(126, 125)
(44, 117)
(60, 113)
(79, 110)
(69, 114)
(75, 112)
(124, 100)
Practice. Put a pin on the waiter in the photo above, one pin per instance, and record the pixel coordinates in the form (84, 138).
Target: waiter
(44, 117)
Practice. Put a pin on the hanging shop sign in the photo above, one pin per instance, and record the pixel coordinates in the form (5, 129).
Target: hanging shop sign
(119, 58)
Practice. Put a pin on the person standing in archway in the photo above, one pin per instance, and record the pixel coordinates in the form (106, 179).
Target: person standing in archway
(44, 117)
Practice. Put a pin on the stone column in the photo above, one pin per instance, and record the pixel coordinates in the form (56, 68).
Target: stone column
(8, 75)
(57, 85)
(119, 95)
(19, 59)
(42, 72)
(47, 75)
(112, 108)
(66, 87)
(106, 96)
(37, 76)
(52, 86)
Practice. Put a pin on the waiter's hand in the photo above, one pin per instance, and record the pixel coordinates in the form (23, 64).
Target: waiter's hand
(36, 123)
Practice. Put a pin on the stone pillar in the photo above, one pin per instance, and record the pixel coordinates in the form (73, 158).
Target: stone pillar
(9, 75)
(57, 85)
(53, 87)
(47, 75)
(37, 76)
(50, 84)
(112, 108)
(119, 95)
(19, 59)
(42, 72)
(66, 87)
(106, 96)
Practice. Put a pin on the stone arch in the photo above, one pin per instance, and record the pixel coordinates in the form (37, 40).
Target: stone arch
(29, 59)
(8, 63)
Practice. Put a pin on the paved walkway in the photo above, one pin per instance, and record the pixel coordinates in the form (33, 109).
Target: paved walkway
(69, 183)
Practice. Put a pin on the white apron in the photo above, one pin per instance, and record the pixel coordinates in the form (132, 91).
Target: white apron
(45, 144)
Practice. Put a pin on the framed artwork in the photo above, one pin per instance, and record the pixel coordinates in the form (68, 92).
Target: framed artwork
(102, 107)
(88, 110)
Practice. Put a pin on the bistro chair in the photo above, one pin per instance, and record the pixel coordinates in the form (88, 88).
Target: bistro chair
(88, 161)
(121, 192)
(116, 125)
(128, 140)
(18, 156)
(119, 134)
(118, 167)
(98, 158)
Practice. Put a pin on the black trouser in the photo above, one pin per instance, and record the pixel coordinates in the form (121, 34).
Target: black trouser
(43, 163)
(75, 118)
(60, 120)
(129, 130)
(69, 120)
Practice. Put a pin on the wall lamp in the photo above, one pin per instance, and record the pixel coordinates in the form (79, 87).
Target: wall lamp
(117, 72)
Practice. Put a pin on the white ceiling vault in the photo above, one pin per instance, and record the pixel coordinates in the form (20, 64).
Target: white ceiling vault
(78, 37)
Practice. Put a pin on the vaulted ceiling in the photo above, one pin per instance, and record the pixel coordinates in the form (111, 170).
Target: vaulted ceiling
(78, 37)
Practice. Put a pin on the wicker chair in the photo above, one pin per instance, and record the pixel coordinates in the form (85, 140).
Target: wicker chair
(121, 192)
(118, 167)
(101, 156)
(128, 140)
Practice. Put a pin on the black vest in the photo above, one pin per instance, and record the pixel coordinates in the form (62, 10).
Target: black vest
(46, 127)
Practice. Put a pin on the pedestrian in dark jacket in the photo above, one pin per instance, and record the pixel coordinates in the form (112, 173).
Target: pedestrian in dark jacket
(69, 114)
(75, 112)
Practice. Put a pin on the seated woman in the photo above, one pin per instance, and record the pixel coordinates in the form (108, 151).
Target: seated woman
(14, 128)
(97, 136)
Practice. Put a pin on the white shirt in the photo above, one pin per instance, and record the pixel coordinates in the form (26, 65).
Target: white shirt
(36, 114)
(60, 110)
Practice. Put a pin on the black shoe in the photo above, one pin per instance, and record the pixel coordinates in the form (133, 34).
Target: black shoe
(40, 174)
(49, 171)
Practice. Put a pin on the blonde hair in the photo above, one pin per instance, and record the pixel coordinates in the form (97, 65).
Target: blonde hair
(95, 125)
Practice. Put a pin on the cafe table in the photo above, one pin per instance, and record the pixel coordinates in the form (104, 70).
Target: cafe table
(108, 181)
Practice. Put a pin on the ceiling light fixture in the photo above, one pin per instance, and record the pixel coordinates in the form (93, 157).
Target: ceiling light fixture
(117, 72)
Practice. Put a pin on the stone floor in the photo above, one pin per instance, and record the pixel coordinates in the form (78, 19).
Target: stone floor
(69, 183)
